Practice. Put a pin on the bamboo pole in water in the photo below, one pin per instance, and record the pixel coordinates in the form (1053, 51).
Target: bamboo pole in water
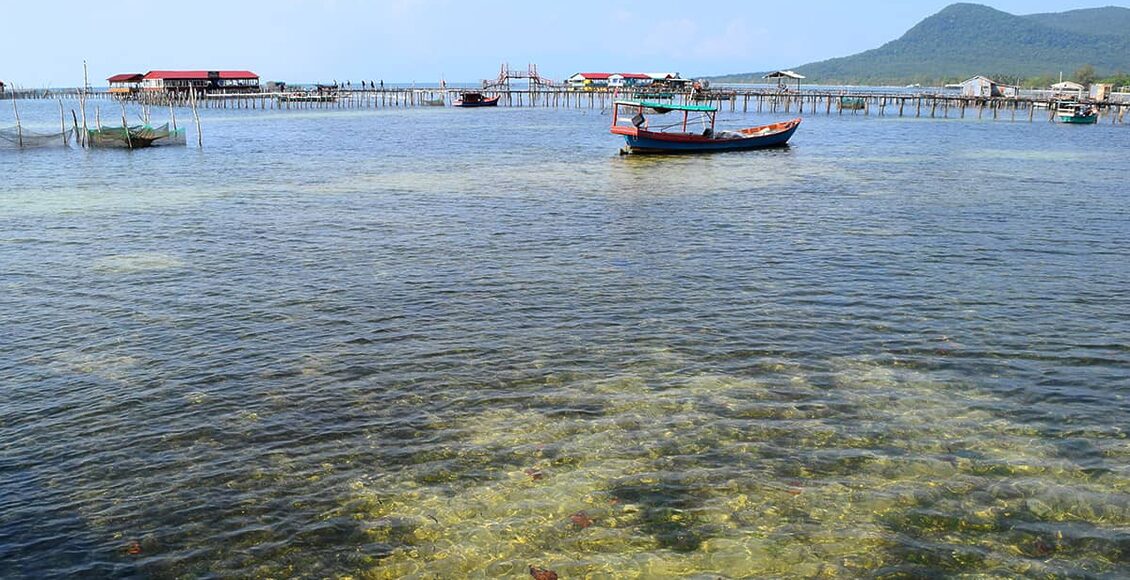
(82, 102)
(196, 115)
(63, 122)
(125, 125)
(19, 129)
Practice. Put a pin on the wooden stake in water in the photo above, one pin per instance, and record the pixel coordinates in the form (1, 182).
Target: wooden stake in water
(19, 129)
(125, 125)
(63, 122)
(82, 103)
(196, 114)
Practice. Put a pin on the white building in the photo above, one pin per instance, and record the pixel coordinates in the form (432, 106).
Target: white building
(986, 88)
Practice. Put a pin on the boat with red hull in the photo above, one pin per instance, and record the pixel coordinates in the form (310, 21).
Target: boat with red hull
(630, 119)
(475, 100)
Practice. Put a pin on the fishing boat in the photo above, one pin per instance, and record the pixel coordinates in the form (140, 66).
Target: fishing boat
(1076, 113)
(691, 132)
(475, 100)
(134, 137)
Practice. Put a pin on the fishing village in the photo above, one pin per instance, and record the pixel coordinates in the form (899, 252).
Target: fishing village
(783, 92)
(979, 96)
(419, 290)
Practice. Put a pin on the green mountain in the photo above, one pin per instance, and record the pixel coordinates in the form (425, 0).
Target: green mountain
(1094, 21)
(969, 39)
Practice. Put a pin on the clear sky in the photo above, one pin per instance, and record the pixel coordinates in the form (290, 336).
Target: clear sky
(45, 41)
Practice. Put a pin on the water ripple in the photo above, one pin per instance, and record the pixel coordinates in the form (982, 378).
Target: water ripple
(327, 349)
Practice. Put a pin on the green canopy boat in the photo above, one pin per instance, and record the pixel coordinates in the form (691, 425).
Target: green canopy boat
(1076, 113)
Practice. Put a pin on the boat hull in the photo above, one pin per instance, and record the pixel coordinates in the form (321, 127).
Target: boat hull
(491, 102)
(769, 136)
(1076, 113)
(1079, 119)
(136, 137)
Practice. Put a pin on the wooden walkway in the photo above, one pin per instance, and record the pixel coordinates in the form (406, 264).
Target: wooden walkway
(805, 102)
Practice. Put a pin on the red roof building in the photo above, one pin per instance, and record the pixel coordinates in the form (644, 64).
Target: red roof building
(201, 80)
(125, 83)
(590, 80)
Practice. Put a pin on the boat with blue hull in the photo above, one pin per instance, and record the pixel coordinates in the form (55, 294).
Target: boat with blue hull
(691, 132)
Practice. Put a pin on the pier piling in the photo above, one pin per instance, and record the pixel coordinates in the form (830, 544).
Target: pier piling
(763, 100)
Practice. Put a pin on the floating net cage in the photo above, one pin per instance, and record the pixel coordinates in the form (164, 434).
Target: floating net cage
(135, 137)
(21, 138)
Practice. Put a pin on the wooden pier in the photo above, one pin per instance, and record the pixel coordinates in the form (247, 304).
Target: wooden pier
(860, 102)
(808, 102)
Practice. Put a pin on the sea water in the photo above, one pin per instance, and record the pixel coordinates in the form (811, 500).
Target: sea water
(442, 343)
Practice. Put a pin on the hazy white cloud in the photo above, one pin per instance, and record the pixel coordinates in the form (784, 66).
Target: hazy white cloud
(403, 40)
(735, 41)
(675, 38)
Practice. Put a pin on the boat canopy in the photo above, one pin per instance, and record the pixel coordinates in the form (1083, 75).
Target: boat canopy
(777, 74)
(665, 107)
(1068, 86)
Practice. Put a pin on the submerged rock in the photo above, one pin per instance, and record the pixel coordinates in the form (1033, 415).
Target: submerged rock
(581, 520)
(542, 574)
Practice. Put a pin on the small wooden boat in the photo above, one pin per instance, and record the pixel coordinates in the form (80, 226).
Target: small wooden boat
(475, 100)
(134, 137)
(1076, 113)
(630, 119)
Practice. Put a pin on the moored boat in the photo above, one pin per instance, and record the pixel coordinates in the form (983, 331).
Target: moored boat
(474, 99)
(134, 137)
(1076, 113)
(630, 119)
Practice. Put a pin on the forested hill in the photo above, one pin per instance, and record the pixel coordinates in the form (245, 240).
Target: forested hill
(970, 39)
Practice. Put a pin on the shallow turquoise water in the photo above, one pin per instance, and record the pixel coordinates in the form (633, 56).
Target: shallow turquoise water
(439, 343)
